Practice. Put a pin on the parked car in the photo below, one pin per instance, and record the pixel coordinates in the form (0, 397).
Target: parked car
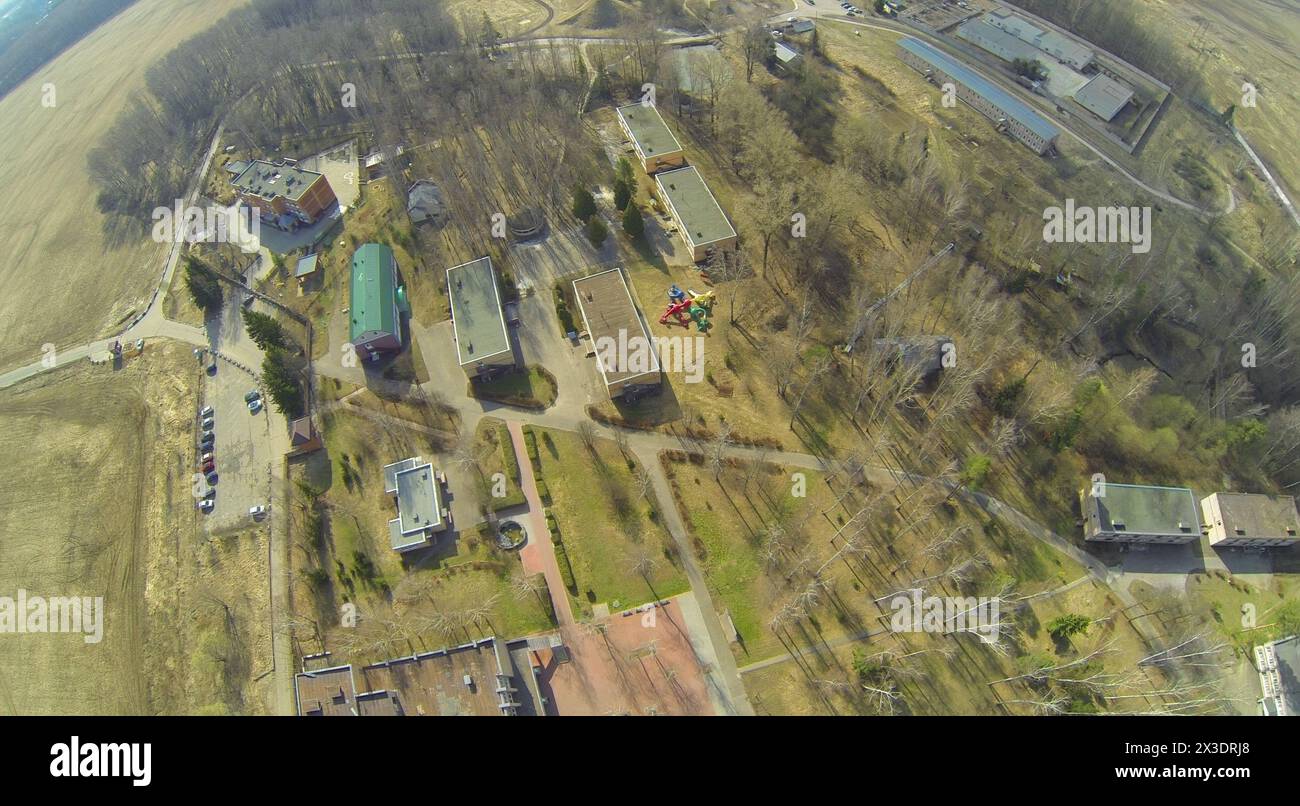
(209, 466)
(206, 412)
(255, 406)
(206, 504)
(206, 457)
(212, 366)
(212, 477)
(257, 511)
(251, 396)
(208, 438)
(208, 423)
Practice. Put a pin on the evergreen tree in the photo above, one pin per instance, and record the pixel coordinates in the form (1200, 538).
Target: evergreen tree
(633, 224)
(584, 204)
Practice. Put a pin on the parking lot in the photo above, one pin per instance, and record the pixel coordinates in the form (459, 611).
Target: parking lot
(244, 448)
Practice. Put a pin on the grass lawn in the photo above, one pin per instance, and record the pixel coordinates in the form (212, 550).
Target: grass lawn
(462, 573)
(533, 388)
(605, 529)
(497, 455)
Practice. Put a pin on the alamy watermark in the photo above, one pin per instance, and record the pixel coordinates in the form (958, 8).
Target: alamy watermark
(636, 354)
(1076, 224)
(25, 614)
(237, 225)
(945, 614)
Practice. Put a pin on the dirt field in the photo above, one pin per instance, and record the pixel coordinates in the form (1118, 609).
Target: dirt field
(65, 285)
(96, 501)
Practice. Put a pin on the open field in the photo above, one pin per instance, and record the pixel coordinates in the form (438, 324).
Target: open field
(66, 282)
(186, 622)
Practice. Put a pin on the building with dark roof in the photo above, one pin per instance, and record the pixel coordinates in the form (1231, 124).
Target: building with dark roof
(655, 144)
(286, 196)
(995, 103)
(479, 678)
(1138, 513)
(374, 318)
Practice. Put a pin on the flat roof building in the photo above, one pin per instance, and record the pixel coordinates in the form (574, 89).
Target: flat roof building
(996, 104)
(1057, 45)
(997, 41)
(696, 212)
(326, 692)
(1250, 519)
(1103, 96)
(1139, 513)
(625, 354)
(655, 144)
(478, 678)
(417, 488)
(1278, 663)
(374, 322)
(286, 196)
(478, 324)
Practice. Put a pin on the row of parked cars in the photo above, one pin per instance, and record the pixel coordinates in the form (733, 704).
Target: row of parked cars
(207, 456)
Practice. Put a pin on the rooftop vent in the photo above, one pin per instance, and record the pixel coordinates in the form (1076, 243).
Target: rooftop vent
(1182, 527)
(1239, 530)
(1117, 526)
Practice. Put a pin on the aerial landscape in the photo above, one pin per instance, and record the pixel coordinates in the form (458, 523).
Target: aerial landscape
(649, 357)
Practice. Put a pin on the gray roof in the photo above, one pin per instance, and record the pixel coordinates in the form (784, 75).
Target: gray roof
(424, 201)
(269, 179)
(998, 42)
(694, 205)
(476, 317)
(391, 471)
(418, 507)
(1271, 517)
(651, 133)
(1043, 38)
(784, 53)
(306, 265)
(995, 95)
(1146, 510)
(1103, 96)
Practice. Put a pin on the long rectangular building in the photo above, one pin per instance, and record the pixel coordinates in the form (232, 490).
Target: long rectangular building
(1060, 47)
(374, 319)
(1139, 513)
(994, 103)
(696, 212)
(625, 353)
(478, 323)
(655, 144)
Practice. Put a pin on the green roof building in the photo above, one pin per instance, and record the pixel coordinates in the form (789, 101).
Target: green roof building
(1137, 513)
(374, 322)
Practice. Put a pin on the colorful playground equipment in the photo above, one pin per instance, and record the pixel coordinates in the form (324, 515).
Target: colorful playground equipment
(685, 307)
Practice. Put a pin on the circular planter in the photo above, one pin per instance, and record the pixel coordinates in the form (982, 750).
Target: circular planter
(511, 535)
